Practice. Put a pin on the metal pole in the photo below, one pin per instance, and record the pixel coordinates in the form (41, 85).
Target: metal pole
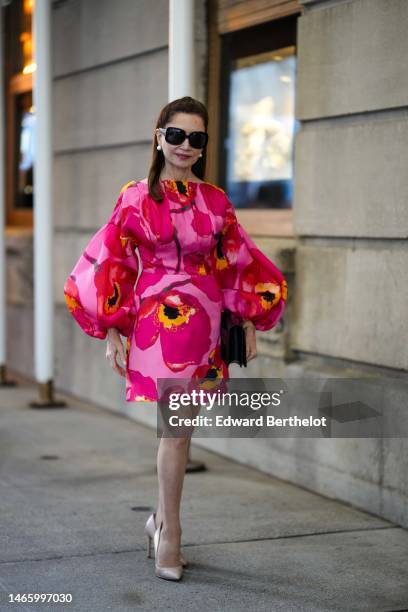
(43, 218)
(181, 49)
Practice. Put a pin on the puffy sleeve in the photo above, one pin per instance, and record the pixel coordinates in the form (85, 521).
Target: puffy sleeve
(253, 287)
(99, 291)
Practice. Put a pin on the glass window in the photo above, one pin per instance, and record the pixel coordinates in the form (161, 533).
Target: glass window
(260, 132)
(20, 115)
(257, 114)
(23, 168)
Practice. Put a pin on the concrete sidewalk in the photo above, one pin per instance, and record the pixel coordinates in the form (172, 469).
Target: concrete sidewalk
(78, 483)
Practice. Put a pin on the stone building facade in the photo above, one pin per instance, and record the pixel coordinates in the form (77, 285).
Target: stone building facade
(346, 259)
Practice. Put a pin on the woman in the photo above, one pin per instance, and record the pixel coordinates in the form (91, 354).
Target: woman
(196, 260)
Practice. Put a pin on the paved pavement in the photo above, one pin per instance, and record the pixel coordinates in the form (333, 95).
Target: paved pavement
(77, 484)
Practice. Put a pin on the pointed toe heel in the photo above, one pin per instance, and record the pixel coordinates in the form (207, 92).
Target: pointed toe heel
(150, 528)
(168, 573)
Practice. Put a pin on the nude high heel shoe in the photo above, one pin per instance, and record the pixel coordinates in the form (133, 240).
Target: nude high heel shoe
(168, 573)
(150, 528)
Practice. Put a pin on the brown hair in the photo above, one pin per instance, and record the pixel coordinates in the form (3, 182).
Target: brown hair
(180, 105)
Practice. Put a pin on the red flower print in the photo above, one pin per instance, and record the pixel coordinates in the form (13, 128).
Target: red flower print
(174, 317)
(201, 222)
(180, 191)
(195, 263)
(211, 372)
(80, 314)
(225, 254)
(263, 291)
(113, 283)
(138, 381)
(214, 198)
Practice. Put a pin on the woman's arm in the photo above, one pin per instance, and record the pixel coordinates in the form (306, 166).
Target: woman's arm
(247, 323)
(250, 339)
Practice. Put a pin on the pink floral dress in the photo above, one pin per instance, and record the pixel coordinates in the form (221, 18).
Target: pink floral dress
(196, 260)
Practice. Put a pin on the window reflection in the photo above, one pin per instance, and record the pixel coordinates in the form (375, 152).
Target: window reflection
(24, 163)
(261, 129)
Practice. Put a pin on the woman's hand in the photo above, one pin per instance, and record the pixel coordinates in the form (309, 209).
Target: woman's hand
(250, 340)
(114, 347)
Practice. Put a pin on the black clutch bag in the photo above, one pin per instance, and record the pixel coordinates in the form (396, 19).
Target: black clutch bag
(233, 345)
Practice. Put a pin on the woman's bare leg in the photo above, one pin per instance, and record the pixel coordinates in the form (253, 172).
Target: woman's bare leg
(171, 468)
(172, 459)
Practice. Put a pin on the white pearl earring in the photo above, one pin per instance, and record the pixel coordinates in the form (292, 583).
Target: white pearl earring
(158, 147)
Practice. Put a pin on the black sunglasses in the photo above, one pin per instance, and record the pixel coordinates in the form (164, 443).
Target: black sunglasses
(176, 136)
